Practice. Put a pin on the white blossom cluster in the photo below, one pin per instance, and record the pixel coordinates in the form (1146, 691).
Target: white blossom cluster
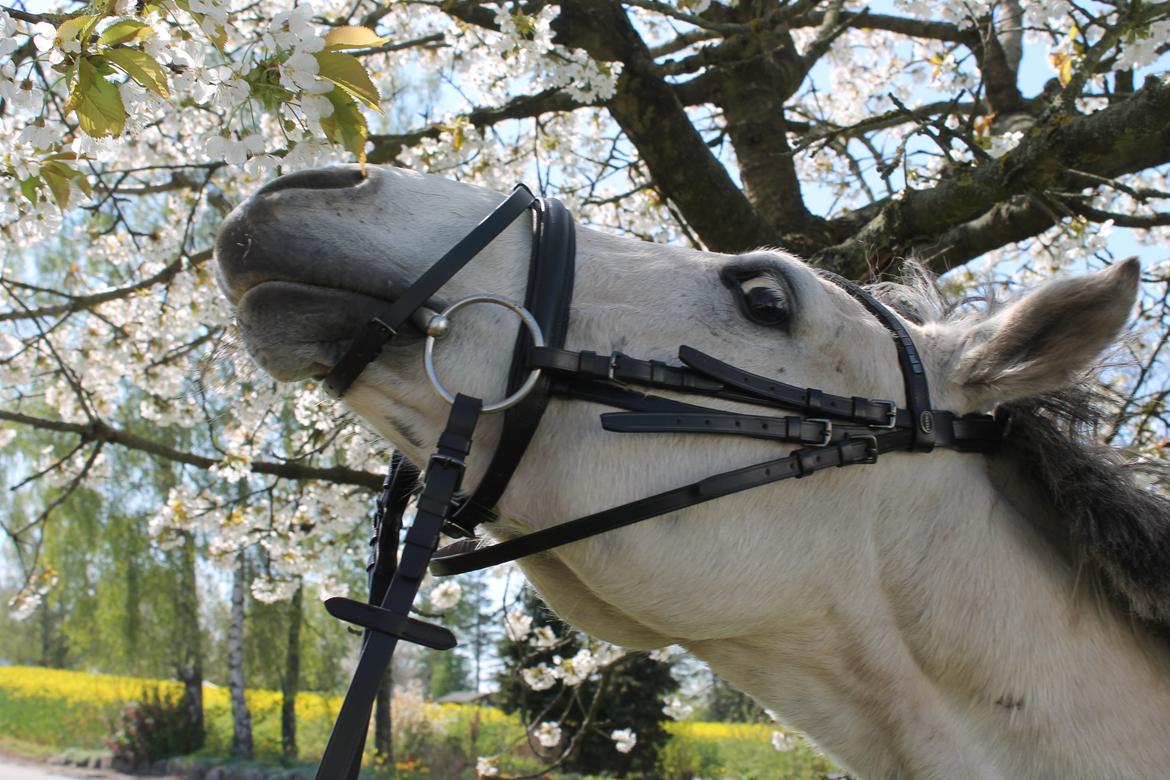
(677, 709)
(445, 595)
(486, 766)
(624, 740)
(571, 671)
(548, 734)
(526, 42)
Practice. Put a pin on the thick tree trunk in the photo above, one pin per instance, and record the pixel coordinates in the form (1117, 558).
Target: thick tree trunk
(383, 736)
(292, 675)
(241, 718)
(190, 671)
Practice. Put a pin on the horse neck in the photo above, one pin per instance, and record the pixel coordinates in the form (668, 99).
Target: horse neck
(971, 648)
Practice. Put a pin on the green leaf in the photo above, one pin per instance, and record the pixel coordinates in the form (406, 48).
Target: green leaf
(100, 9)
(347, 72)
(70, 29)
(124, 31)
(53, 165)
(97, 102)
(68, 171)
(347, 126)
(58, 185)
(141, 67)
(353, 37)
(28, 188)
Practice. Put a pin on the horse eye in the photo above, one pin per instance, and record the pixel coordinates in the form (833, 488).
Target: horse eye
(762, 298)
(766, 305)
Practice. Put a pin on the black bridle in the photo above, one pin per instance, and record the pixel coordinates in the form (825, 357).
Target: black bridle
(834, 431)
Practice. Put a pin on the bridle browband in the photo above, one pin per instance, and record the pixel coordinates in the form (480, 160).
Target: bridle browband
(834, 431)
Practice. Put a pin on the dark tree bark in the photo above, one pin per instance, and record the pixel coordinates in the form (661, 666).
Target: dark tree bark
(292, 676)
(190, 666)
(383, 720)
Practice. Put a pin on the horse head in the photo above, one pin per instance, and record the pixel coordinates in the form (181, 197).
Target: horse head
(889, 610)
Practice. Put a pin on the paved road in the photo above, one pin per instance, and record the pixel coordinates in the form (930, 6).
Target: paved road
(17, 769)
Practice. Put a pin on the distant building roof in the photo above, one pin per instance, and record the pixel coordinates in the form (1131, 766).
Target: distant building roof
(463, 697)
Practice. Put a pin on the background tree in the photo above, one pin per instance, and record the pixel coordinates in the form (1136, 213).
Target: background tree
(241, 717)
(553, 674)
(725, 703)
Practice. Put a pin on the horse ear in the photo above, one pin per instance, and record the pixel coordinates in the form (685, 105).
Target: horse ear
(1043, 340)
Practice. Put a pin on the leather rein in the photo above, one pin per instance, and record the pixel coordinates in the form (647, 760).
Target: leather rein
(833, 431)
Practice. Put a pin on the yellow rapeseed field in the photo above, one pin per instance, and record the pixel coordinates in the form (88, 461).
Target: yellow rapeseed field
(77, 688)
(701, 731)
(63, 709)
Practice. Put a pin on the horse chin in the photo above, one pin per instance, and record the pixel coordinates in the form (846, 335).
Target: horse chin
(297, 331)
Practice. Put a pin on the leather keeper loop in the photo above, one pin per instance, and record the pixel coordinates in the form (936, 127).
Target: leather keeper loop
(814, 400)
(594, 365)
(808, 461)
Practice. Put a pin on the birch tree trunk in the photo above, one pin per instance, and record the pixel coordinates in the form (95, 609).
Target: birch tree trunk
(241, 719)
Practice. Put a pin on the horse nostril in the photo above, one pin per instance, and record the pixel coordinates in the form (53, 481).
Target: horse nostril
(318, 179)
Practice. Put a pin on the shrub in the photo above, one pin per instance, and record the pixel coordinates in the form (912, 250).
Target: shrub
(157, 727)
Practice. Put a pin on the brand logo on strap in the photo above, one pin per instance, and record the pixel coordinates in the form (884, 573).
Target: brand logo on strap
(926, 422)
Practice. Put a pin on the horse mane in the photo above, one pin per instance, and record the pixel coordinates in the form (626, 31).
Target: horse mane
(1114, 527)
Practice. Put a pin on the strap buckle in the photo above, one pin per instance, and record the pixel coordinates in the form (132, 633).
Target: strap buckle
(891, 412)
(450, 461)
(827, 432)
(871, 448)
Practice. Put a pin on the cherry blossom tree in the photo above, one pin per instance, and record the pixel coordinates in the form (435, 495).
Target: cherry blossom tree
(998, 142)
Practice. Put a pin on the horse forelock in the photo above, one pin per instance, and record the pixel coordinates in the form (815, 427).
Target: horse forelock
(1115, 520)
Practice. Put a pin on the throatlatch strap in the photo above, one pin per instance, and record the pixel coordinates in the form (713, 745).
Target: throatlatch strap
(391, 621)
(913, 371)
(372, 336)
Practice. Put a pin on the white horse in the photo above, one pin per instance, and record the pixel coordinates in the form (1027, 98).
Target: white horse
(930, 616)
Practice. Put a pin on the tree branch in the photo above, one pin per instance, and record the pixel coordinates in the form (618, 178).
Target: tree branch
(1128, 136)
(80, 302)
(100, 431)
(998, 71)
(1139, 221)
(917, 28)
(650, 114)
(388, 147)
(760, 72)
